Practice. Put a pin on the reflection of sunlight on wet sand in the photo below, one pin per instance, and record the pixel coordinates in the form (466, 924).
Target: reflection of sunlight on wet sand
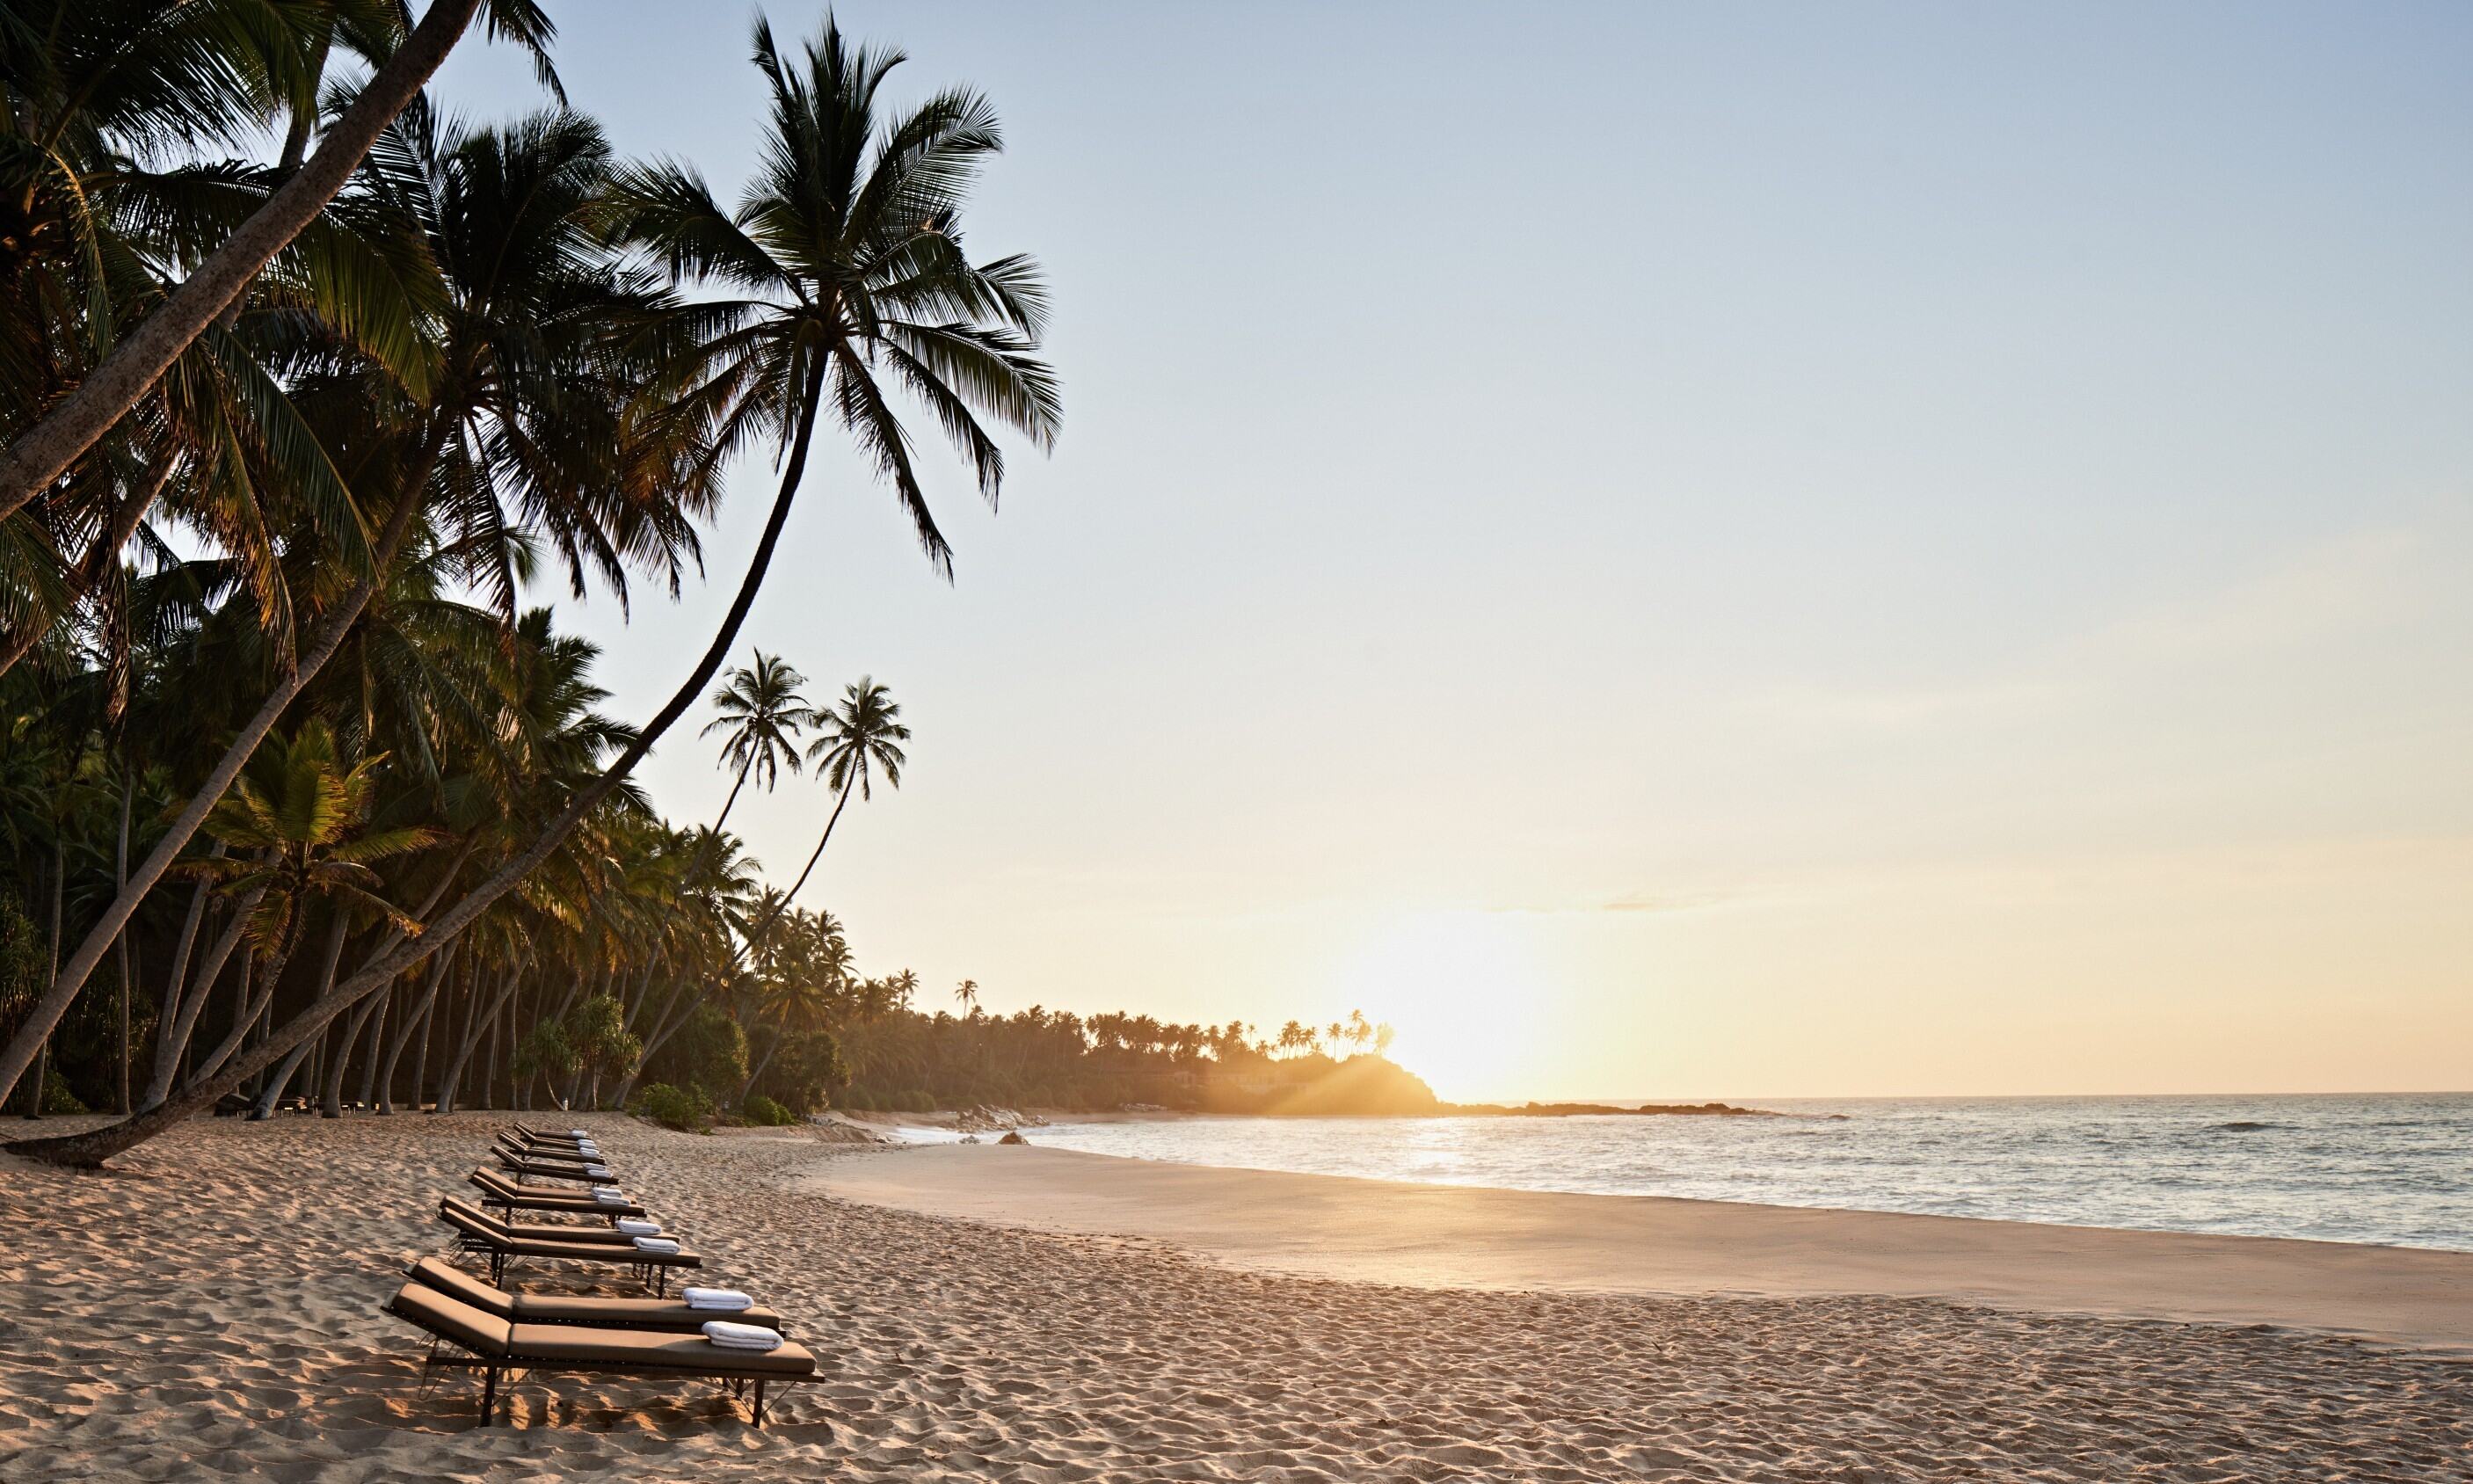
(1462, 989)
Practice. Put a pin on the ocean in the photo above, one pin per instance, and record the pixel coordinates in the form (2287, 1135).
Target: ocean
(2394, 1169)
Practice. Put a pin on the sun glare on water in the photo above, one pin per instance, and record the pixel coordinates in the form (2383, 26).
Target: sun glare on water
(1463, 990)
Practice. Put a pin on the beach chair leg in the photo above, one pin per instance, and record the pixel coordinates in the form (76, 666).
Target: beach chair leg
(498, 1269)
(759, 1404)
(488, 1395)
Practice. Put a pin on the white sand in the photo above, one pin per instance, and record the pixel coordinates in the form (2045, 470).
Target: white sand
(1461, 1238)
(211, 1310)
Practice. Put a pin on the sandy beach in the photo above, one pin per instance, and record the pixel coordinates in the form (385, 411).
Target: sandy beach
(210, 1309)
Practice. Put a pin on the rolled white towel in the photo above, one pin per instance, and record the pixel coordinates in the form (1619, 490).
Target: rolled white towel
(727, 1300)
(730, 1336)
(580, 1133)
(599, 1172)
(665, 1245)
(588, 1151)
(636, 1226)
(610, 1196)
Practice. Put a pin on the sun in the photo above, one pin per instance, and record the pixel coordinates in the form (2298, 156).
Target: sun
(1462, 989)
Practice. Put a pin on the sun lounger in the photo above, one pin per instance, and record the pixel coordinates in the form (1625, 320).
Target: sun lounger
(494, 1344)
(562, 1308)
(504, 1194)
(479, 1231)
(557, 1148)
(556, 1154)
(546, 1135)
(533, 1168)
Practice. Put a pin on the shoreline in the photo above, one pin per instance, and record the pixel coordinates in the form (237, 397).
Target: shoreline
(1486, 1238)
(210, 1305)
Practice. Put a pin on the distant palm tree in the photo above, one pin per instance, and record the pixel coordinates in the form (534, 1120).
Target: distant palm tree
(761, 717)
(862, 735)
(967, 992)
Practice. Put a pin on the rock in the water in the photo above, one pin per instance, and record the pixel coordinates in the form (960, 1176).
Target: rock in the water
(1013, 1137)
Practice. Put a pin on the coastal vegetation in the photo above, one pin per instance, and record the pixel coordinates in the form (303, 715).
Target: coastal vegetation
(303, 386)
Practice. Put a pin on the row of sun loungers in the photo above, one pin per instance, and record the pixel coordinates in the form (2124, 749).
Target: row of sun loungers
(478, 1324)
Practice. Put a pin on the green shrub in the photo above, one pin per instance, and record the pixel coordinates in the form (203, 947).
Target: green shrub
(855, 1096)
(916, 1100)
(765, 1113)
(684, 1109)
(58, 1098)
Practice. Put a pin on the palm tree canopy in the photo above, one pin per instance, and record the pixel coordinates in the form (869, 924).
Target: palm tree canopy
(859, 735)
(763, 714)
(843, 278)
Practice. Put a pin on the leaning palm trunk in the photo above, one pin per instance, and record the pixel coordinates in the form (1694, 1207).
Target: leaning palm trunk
(72, 976)
(273, 1092)
(674, 1014)
(761, 1062)
(330, 1095)
(416, 1022)
(167, 1059)
(478, 1022)
(120, 879)
(44, 453)
(818, 853)
(175, 993)
(368, 1097)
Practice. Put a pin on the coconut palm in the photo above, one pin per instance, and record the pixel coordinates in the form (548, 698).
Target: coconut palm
(298, 821)
(761, 717)
(523, 431)
(862, 736)
(850, 290)
(142, 73)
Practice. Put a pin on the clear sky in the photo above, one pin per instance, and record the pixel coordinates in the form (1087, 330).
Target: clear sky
(1669, 550)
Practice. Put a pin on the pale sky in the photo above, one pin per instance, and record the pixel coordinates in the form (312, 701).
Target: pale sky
(1714, 551)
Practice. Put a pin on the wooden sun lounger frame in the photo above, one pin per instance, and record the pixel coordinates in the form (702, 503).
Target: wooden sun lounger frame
(522, 1167)
(549, 1199)
(652, 1275)
(513, 1368)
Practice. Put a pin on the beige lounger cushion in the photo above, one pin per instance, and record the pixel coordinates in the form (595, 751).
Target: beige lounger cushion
(560, 1308)
(543, 1197)
(552, 1346)
(652, 1348)
(478, 1330)
(497, 1234)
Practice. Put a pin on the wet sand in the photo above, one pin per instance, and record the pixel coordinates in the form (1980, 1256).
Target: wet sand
(1456, 1237)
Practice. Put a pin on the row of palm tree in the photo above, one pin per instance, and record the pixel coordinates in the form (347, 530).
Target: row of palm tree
(287, 438)
(901, 1056)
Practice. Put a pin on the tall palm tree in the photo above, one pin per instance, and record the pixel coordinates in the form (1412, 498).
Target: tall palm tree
(846, 262)
(967, 994)
(761, 717)
(860, 736)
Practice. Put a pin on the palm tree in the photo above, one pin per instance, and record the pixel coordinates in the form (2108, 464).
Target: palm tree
(297, 819)
(861, 736)
(848, 259)
(761, 716)
(180, 46)
(967, 994)
(525, 411)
